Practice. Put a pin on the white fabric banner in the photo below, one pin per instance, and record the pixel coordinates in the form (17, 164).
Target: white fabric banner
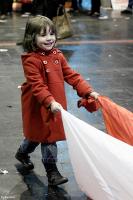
(103, 165)
(119, 4)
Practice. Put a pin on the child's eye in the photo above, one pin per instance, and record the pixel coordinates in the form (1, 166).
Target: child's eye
(52, 33)
(43, 35)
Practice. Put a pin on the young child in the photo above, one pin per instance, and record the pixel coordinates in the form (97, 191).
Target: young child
(43, 95)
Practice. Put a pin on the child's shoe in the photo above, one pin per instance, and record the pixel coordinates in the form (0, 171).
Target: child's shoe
(54, 176)
(25, 160)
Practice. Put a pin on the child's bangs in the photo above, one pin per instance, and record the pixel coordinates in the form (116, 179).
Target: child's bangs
(46, 24)
(40, 23)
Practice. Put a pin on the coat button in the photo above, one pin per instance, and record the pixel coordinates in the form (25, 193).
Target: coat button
(47, 70)
(56, 61)
(45, 62)
(54, 52)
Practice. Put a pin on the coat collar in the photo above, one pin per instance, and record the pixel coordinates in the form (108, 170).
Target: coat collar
(52, 51)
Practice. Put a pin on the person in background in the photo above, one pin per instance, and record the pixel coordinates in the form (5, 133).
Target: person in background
(26, 8)
(9, 7)
(52, 7)
(95, 8)
(38, 7)
(43, 95)
(80, 3)
(75, 7)
(129, 9)
(3, 11)
(47, 8)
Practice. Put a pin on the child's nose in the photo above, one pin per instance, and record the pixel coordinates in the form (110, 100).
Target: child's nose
(48, 37)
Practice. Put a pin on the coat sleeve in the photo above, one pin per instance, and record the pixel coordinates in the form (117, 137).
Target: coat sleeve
(35, 76)
(75, 79)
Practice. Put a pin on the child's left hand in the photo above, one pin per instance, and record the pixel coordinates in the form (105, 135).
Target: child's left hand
(94, 95)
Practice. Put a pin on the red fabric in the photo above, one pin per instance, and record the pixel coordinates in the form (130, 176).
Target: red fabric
(90, 104)
(118, 120)
(45, 74)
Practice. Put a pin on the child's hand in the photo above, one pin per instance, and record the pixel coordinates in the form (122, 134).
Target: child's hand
(94, 95)
(55, 107)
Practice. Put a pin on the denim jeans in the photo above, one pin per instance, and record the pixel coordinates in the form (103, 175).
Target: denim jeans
(48, 150)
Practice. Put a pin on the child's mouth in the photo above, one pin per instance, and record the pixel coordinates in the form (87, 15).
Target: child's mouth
(48, 44)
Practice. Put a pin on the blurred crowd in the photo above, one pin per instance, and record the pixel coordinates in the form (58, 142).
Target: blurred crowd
(49, 7)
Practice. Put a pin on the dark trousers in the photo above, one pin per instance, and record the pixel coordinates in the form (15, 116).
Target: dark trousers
(130, 4)
(5, 6)
(26, 7)
(46, 8)
(2, 7)
(38, 7)
(9, 6)
(95, 6)
(80, 2)
(74, 4)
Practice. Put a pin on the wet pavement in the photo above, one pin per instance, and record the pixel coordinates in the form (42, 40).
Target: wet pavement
(102, 51)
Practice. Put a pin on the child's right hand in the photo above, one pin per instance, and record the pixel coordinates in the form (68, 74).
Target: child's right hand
(55, 107)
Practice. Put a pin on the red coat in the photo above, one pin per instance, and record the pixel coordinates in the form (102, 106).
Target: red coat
(45, 75)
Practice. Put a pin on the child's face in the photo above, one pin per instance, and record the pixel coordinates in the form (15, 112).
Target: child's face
(46, 41)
